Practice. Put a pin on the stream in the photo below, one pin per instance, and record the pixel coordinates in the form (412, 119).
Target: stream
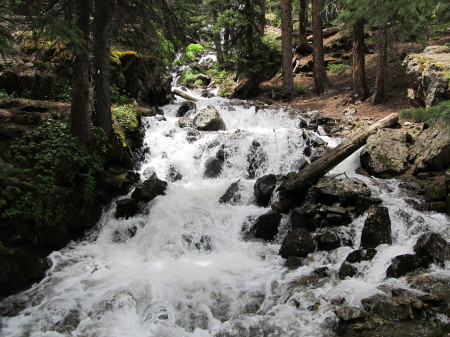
(184, 266)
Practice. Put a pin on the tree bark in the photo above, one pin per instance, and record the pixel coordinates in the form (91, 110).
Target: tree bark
(286, 47)
(321, 82)
(359, 71)
(103, 19)
(262, 24)
(218, 42)
(80, 111)
(380, 82)
(303, 47)
(184, 95)
(294, 190)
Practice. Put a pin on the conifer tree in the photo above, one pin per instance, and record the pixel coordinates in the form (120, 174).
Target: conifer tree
(286, 46)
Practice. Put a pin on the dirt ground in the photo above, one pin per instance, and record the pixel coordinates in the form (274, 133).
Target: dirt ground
(339, 96)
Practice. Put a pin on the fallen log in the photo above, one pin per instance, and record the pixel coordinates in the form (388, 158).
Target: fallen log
(293, 190)
(184, 95)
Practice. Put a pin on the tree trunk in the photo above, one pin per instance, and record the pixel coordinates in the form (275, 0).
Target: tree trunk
(286, 47)
(262, 24)
(184, 95)
(34, 7)
(321, 82)
(303, 47)
(380, 82)
(103, 17)
(359, 71)
(80, 112)
(294, 190)
(218, 42)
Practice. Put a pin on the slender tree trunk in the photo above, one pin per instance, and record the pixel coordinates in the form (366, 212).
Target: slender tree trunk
(80, 112)
(303, 47)
(217, 41)
(34, 7)
(359, 71)
(380, 82)
(321, 82)
(262, 24)
(286, 47)
(103, 17)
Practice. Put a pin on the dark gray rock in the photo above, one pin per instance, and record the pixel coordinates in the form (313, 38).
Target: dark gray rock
(404, 264)
(431, 151)
(264, 188)
(126, 208)
(385, 153)
(208, 119)
(361, 255)
(304, 218)
(377, 228)
(213, 167)
(192, 135)
(319, 152)
(149, 189)
(393, 308)
(232, 195)
(351, 314)
(173, 174)
(266, 226)
(434, 247)
(256, 159)
(185, 107)
(293, 262)
(297, 243)
(299, 164)
(185, 122)
(346, 191)
(347, 270)
(328, 239)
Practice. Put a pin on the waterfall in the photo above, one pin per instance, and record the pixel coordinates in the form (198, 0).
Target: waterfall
(184, 268)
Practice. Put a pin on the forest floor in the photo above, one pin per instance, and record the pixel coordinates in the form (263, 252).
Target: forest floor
(339, 97)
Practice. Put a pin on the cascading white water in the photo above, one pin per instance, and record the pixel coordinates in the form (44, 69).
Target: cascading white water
(188, 271)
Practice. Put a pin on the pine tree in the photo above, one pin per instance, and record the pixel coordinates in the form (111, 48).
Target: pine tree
(321, 82)
(286, 46)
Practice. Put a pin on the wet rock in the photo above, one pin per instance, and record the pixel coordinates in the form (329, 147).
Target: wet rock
(266, 226)
(208, 119)
(256, 159)
(347, 270)
(377, 228)
(393, 308)
(264, 188)
(385, 153)
(192, 135)
(403, 264)
(431, 151)
(319, 152)
(364, 203)
(435, 188)
(213, 168)
(299, 164)
(297, 243)
(345, 191)
(293, 262)
(351, 314)
(126, 208)
(185, 122)
(328, 239)
(173, 174)
(434, 247)
(361, 255)
(232, 195)
(314, 216)
(304, 218)
(118, 180)
(149, 189)
(185, 107)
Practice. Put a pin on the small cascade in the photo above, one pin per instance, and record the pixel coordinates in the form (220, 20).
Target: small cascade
(184, 266)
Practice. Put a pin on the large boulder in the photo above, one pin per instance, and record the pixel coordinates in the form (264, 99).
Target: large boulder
(361, 255)
(431, 151)
(264, 188)
(346, 191)
(377, 228)
(214, 165)
(185, 107)
(232, 195)
(398, 308)
(434, 247)
(266, 226)
(406, 263)
(143, 77)
(208, 119)
(385, 153)
(328, 239)
(149, 189)
(428, 76)
(256, 159)
(297, 243)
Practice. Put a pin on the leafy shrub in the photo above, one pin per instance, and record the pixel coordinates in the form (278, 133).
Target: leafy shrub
(189, 75)
(430, 115)
(118, 95)
(49, 161)
(126, 116)
(195, 48)
(339, 68)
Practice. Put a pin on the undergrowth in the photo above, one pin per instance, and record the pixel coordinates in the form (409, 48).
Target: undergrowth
(48, 162)
(430, 115)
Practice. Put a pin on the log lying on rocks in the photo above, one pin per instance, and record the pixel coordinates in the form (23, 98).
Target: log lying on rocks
(293, 190)
(184, 95)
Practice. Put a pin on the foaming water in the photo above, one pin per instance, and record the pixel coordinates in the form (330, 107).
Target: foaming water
(183, 268)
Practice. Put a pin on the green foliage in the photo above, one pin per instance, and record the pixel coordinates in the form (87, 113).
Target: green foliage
(189, 75)
(339, 68)
(430, 115)
(195, 48)
(49, 161)
(65, 95)
(5, 94)
(126, 117)
(165, 47)
(118, 96)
